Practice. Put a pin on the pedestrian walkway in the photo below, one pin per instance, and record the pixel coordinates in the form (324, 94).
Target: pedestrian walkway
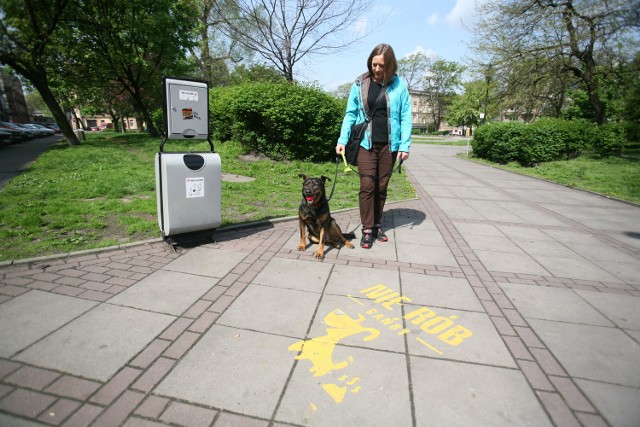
(499, 300)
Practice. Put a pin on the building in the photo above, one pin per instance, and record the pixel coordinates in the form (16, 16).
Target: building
(13, 107)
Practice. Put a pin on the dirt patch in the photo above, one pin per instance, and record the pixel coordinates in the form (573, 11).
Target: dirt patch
(231, 177)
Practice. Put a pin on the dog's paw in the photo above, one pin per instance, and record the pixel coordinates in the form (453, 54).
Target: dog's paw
(349, 245)
(319, 255)
(302, 247)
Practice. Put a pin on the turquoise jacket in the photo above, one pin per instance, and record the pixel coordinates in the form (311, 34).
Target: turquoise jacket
(398, 113)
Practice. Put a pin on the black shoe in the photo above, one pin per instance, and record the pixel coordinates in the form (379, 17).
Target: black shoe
(367, 239)
(379, 234)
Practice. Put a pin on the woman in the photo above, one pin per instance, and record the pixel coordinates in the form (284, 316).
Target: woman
(388, 135)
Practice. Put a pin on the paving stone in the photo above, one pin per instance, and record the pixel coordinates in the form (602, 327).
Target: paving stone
(31, 377)
(158, 292)
(92, 346)
(21, 328)
(188, 415)
(119, 410)
(280, 273)
(485, 395)
(73, 387)
(225, 370)
(152, 407)
(343, 396)
(207, 262)
(267, 309)
(25, 402)
(586, 351)
(617, 404)
(59, 411)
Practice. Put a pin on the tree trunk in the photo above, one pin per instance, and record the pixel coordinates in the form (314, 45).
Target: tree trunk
(39, 80)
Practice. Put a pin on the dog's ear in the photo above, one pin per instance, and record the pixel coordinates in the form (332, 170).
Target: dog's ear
(325, 178)
(303, 176)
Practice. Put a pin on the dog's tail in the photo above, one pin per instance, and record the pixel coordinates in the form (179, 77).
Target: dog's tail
(349, 235)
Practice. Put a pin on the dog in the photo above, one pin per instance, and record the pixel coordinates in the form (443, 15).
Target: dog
(315, 218)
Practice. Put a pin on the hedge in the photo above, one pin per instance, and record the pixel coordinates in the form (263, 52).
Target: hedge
(279, 120)
(544, 140)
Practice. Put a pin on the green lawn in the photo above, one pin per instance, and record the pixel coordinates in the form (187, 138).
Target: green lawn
(102, 193)
(617, 177)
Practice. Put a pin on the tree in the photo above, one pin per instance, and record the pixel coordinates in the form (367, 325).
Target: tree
(557, 39)
(441, 81)
(134, 43)
(283, 33)
(30, 44)
(413, 68)
(213, 47)
(466, 108)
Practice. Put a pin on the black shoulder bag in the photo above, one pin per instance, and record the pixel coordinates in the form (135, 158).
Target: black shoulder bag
(357, 133)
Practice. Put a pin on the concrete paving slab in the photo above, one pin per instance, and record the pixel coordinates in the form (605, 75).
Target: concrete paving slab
(627, 272)
(9, 421)
(481, 343)
(510, 263)
(235, 370)
(492, 243)
(575, 268)
(440, 291)
(207, 261)
(425, 234)
(631, 238)
(545, 248)
(601, 252)
(592, 352)
(352, 280)
(521, 232)
(21, 328)
(531, 215)
(458, 209)
(568, 236)
(309, 276)
(425, 254)
(353, 322)
(467, 229)
(562, 305)
(493, 211)
(459, 394)
(623, 310)
(164, 291)
(346, 397)
(277, 311)
(618, 404)
(97, 344)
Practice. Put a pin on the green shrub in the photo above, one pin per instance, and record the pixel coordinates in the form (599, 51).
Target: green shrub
(610, 140)
(280, 120)
(544, 140)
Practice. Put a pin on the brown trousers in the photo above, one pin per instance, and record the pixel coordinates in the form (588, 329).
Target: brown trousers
(375, 169)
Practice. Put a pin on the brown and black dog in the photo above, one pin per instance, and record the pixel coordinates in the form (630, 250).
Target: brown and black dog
(315, 218)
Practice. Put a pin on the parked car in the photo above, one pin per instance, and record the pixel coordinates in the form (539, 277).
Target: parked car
(33, 133)
(44, 131)
(105, 126)
(53, 126)
(6, 138)
(19, 134)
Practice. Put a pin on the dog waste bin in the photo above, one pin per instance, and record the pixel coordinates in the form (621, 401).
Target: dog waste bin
(188, 189)
(188, 184)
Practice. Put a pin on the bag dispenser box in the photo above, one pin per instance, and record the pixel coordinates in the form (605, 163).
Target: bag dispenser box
(188, 184)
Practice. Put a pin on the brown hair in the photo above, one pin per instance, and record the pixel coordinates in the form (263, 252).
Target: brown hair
(390, 63)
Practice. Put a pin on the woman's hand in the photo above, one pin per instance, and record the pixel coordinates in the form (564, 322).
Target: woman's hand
(402, 155)
(339, 149)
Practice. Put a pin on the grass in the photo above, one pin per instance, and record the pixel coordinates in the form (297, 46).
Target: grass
(617, 177)
(438, 140)
(102, 193)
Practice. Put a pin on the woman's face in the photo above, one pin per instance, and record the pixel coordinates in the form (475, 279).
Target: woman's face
(377, 65)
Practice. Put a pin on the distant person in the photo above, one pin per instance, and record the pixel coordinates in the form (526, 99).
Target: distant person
(387, 139)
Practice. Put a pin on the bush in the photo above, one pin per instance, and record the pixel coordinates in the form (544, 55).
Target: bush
(610, 140)
(529, 144)
(280, 120)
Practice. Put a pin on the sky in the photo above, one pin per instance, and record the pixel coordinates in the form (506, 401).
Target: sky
(435, 27)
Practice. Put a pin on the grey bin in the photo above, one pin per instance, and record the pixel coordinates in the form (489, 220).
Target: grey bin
(188, 190)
